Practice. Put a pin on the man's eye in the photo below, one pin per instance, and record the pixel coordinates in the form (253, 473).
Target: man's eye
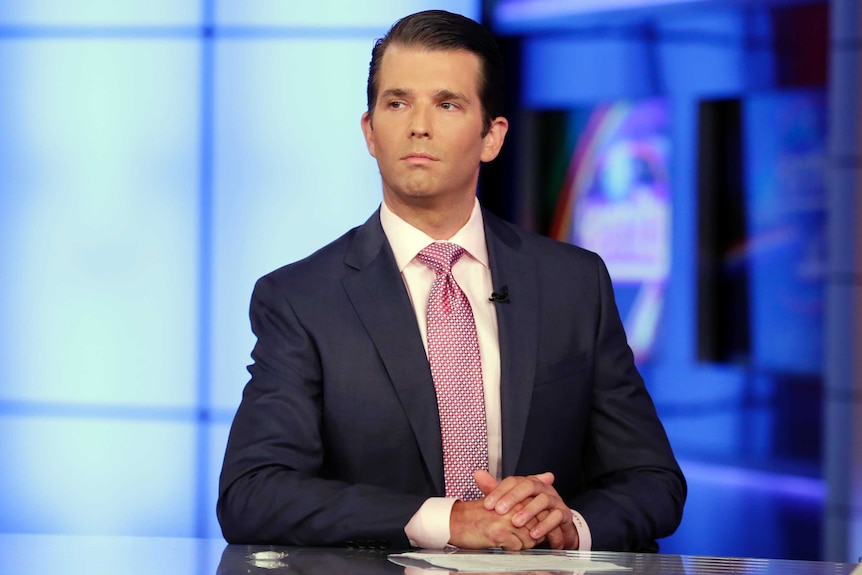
(396, 104)
(448, 106)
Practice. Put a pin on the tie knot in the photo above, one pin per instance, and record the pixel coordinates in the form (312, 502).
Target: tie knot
(441, 256)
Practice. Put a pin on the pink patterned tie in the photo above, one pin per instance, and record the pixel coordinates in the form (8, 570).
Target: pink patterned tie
(453, 352)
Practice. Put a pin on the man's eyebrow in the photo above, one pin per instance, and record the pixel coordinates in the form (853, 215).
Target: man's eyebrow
(395, 93)
(439, 94)
(450, 95)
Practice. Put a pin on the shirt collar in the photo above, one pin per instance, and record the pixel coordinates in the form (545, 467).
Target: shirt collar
(407, 241)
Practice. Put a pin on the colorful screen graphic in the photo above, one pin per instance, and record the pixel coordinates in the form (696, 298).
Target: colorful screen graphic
(616, 202)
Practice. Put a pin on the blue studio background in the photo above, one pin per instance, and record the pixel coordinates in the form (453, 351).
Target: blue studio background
(157, 158)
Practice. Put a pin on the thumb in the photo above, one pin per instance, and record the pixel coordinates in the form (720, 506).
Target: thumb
(547, 477)
(485, 481)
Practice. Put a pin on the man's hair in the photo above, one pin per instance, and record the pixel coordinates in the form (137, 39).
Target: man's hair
(441, 30)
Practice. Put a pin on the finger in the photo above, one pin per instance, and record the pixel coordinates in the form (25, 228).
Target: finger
(525, 488)
(557, 520)
(535, 521)
(571, 538)
(551, 521)
(510, 538)
(562, 536)
(559, 538)
(500, 491)
(525, 540)
(555, 538)
(519, 540)
(538, 508)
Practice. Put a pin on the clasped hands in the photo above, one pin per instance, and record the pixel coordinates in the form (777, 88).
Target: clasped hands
(516, 513)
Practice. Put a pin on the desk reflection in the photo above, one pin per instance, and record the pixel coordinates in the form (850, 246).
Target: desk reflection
(272, 560)
(241, 560)
(95, 555)
(249, 560)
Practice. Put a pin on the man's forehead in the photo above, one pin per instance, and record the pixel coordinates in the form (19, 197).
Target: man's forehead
(401, 62)
(399, 49)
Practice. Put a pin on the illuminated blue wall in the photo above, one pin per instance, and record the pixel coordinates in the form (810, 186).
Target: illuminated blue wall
(155, 159)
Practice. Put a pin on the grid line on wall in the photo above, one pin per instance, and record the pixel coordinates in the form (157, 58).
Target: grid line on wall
(205, 266)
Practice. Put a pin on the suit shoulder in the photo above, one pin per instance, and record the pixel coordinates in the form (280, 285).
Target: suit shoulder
(542, 248)
(316, 267)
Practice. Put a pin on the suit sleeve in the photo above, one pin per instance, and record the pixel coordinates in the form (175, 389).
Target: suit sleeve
(274, 486)
(634, 489)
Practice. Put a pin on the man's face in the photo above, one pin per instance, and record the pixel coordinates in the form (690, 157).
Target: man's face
(426, 132)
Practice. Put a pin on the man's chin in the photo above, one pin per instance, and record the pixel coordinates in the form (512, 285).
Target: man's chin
(418, 192)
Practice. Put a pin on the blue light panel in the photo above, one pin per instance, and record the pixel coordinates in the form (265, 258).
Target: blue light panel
(333, 13)
(97, 476)
(99, 212)
(99, 12)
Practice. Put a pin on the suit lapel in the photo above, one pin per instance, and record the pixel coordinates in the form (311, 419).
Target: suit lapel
(518, 332)
(378, 294)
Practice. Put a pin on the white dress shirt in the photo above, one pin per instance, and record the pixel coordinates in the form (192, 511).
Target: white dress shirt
(429, 527)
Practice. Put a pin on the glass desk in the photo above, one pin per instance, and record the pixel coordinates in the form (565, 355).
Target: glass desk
(82, 555)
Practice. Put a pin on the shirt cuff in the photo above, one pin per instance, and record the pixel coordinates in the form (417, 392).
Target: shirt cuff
(429, 526)
(585, 539)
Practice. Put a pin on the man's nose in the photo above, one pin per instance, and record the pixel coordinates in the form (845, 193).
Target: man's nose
(420, 125)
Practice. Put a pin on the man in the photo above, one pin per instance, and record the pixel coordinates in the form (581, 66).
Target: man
(348, 432)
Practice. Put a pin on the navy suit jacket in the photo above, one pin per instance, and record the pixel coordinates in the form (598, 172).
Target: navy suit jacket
(337, 437)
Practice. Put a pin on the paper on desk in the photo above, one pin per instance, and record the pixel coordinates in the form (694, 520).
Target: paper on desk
(505, 562)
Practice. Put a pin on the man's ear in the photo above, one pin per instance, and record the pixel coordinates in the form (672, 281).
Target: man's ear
(368, 132)
(494, 138)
